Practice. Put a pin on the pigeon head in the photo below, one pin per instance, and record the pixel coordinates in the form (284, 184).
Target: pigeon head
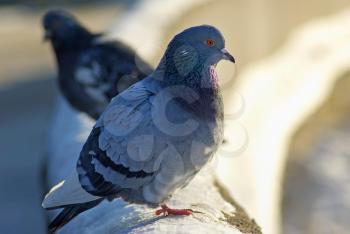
(205, 41)
(192, 54)
(63, 29)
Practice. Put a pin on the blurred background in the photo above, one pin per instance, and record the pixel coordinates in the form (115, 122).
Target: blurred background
(316, 184)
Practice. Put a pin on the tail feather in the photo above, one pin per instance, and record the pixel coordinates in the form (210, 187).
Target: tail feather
(69, 212)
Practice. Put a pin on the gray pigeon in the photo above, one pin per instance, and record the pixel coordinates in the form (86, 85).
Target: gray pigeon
(90, 72)
(155, 136)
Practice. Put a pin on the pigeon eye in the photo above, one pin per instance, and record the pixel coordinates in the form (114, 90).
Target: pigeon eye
(210, 42)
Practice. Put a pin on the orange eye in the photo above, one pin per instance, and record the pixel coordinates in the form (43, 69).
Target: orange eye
(210, 42)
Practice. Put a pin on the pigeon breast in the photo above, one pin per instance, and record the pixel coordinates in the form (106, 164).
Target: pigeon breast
(135, 152)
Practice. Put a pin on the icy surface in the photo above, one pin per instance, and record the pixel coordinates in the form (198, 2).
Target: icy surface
(69, 130)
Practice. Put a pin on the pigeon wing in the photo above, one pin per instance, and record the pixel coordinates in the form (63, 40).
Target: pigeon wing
(107, 69)
(121, 151)
(95, 75)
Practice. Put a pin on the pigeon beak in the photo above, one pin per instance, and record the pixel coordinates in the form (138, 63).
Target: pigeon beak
(227, 55)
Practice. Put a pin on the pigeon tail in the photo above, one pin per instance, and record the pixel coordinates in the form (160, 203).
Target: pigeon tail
(66, 193)
(69, 212)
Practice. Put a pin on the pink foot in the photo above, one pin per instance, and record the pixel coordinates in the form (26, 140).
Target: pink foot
(165, 210)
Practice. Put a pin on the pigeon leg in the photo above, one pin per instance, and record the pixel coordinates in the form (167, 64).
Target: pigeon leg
(165, 210)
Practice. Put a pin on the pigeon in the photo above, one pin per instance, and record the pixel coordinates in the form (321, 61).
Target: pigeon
(90, 71)
(155, 136)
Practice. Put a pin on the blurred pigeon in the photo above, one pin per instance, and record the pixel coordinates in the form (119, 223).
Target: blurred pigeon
(153, 137)
(91, 72)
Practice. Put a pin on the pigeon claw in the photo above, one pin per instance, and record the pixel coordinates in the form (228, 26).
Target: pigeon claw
(165, 210)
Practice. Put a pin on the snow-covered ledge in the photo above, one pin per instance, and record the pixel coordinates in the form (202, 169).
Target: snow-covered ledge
(215, 210)
(279, 94)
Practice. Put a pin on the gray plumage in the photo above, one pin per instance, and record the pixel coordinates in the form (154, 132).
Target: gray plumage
(90, 71)
(156, 135)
